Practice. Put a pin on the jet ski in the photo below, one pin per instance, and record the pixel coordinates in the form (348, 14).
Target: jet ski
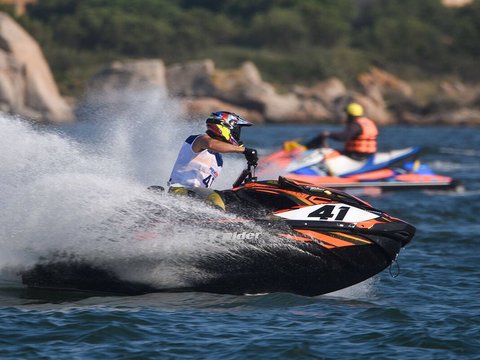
(398, 169)
(313, 240)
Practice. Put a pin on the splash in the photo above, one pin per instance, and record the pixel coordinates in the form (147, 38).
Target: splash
(81, 192)
(366, 290)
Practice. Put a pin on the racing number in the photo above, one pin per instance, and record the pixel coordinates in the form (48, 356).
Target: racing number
(326, 212)
(208, 180)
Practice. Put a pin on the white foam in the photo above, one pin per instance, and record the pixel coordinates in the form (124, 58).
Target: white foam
(81, 191)
(361, 291)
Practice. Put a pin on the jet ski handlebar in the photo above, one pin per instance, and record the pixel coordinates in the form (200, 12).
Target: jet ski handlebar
(247, 175)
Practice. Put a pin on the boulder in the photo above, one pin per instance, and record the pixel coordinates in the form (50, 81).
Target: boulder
(11, 82)
(203, 106)
(386, 99)
(123, 76)
(191, 79)
(124, 87)
(327, 91)
(281, 108)
(245, 87)
(27, 86)
(379, 83)
(307, 111)
(458, 117)
(462, 117)
(239, 88)
(461, 93)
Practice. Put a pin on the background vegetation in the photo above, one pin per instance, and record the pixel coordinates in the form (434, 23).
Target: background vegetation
(299, 41)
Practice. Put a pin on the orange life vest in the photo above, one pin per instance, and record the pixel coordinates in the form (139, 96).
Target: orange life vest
(366, 142)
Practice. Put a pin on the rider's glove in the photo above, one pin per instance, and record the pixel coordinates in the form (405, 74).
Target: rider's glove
(251, 155)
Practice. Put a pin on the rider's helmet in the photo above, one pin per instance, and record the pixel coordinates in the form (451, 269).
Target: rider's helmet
(225, 126)
(354, 109)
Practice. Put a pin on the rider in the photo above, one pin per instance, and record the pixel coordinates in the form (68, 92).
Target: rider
(360, 134)
(199, 161)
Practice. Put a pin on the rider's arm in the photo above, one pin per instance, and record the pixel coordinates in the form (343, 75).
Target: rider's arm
(205, 142)
(350, 132)
(316, 142)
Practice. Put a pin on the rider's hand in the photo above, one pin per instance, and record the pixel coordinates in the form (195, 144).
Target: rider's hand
(324, 135)
(251, 155)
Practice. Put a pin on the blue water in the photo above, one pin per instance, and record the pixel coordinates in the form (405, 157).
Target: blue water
(430, 311)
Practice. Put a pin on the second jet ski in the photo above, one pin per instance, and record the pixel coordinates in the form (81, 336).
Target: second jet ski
(399, 169)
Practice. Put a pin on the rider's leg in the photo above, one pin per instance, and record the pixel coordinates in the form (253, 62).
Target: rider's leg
(209, 195)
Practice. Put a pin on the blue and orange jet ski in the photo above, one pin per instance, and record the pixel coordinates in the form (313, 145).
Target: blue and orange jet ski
(385, 171)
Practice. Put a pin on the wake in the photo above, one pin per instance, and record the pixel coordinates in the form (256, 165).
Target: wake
(79, 194)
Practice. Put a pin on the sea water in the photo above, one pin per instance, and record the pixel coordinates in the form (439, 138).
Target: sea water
(61, 186)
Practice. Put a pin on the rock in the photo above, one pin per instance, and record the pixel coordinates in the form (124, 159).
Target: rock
(125, 87)
(459, 92)
(27, 86)
(305, 111)
(386, 98)
(411, 118)
(11, 82)
(289, 108)
(457, 117)
(377, 82)
(327, 91)
(129, 76)
(280, 108)
(202, 107)
(462, 116)
(243, 86)
(191, 79)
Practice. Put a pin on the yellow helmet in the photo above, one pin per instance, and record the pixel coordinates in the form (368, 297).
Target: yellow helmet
(354, 109)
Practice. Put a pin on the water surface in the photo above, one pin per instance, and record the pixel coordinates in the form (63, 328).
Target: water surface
(51, 186)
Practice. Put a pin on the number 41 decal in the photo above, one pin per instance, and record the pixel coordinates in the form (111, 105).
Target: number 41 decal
(326, 212)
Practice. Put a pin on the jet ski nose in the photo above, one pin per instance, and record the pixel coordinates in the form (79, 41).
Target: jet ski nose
(397, 230)
(405, 236)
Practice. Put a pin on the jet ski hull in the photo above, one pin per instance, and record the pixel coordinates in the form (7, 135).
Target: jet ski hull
(309, 270)
(315, 241)
(439, 183)
(298, 267)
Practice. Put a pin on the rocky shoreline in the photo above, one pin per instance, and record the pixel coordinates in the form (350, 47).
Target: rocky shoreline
(27, 88)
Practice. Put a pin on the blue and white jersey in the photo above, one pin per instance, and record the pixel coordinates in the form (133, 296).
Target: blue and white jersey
(195, 169)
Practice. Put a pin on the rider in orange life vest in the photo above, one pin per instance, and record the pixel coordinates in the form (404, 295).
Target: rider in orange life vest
(360, 134)
(199, 161)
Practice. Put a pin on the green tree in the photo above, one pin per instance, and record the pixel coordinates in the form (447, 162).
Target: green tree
(467, 31)
(328, 22)
(280, 29)
(289, 40)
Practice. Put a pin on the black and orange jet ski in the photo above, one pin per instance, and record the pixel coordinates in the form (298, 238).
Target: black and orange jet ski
(314, 240)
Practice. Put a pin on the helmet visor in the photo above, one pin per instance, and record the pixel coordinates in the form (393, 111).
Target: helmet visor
(236, 120)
